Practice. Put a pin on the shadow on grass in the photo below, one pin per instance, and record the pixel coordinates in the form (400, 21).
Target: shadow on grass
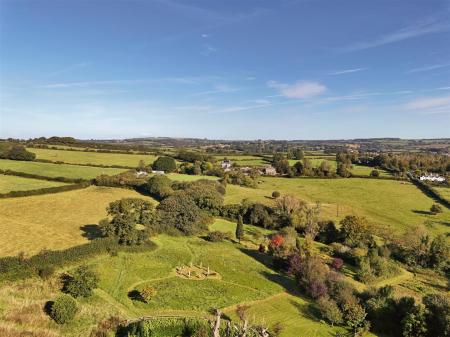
(91, 232)
(48, 307)
(422, 212)
(287, 282)
(135, 295)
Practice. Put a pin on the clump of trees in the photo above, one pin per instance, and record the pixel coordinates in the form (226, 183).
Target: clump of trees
(15, 152)
(126, 214)
(81, 282)
(166, 164)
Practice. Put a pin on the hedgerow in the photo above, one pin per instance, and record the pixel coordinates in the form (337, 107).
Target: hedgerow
(39, 177)
(47, 190)
(16, 267)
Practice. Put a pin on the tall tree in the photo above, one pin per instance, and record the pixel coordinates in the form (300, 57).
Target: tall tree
(239, 229)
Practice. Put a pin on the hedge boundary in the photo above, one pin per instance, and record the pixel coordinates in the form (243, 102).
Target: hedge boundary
(429, 191)
(39, 177)
(92, 165)
(48, 190)
(13, 268)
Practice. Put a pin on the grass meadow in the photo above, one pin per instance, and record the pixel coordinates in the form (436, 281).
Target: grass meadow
(444, 191)
(13, 183)
(95, 158)
(54, 221)
(397, 204)
(57, 170)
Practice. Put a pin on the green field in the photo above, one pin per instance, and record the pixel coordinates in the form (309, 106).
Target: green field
(13, 183)
(57, 170)
(58, 220)
(242, 279)
(94, 158)
(444, 191)
(284, 308)
(396, 204)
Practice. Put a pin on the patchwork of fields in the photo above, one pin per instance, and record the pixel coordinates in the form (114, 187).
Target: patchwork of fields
(66, 219)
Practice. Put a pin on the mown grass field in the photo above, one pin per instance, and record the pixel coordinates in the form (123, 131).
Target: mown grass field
(95, 158)
(57, 170)
(13, 183)
(53, 221)
(399, 205)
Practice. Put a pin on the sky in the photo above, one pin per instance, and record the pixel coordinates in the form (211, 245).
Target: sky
(306, 69)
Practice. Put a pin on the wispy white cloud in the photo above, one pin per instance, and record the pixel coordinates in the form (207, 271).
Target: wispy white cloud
(208, 50)
(428, 68)
(68, 69)
(205, 36)
(347, 71)
(429, 105)
(424, 27)
(178, 80)
(218, 89)
(300, 89)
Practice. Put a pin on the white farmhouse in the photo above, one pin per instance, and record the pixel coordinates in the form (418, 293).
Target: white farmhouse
(432, 177)
(226, 165)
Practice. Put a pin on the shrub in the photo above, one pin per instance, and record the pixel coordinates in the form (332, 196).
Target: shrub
(147, 293)
(63, 310)
(166, 164)
(46, 272)
(329, 310)
(375, 173)
(81, 283)
(337, 263)
(276, 194)
(218, 236)
(435, 209)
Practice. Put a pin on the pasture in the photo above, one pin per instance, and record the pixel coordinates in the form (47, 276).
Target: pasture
(13, 183)
(244, 278)
(396, 204)
(57, 170)
(94, 158)
(444, 191)
(59, 220)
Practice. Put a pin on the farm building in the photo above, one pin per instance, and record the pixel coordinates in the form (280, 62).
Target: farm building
(226, 165)
(157, 172)
(269, 171)
(141, 174)
(432, 177)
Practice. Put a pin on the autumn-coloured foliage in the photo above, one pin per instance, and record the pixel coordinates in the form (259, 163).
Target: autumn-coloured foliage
(277, 241)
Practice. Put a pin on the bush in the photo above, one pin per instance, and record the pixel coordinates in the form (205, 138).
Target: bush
(218, 236)
(166, 164)
(46, 272)
(63, 310)
(81, 282)
(435, 209)
(276, 194)
(375, 173)
(147, 293)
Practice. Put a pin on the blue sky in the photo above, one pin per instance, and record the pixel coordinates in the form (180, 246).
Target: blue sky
(317, 69)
